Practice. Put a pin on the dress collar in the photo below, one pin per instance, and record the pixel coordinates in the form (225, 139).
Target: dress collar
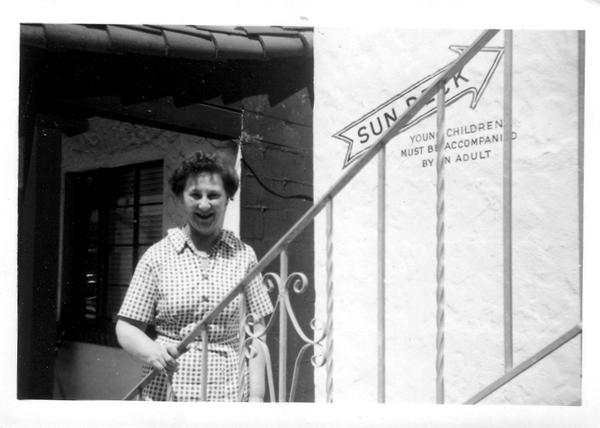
(179, 239)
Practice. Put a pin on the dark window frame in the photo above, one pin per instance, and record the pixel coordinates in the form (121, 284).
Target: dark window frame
(82, 319)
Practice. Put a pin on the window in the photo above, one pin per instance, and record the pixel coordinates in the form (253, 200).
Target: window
(117, 215)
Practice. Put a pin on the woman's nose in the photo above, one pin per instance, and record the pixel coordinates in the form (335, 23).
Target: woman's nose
(204, 204)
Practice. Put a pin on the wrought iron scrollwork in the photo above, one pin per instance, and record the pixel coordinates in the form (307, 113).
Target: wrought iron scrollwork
(298, 282)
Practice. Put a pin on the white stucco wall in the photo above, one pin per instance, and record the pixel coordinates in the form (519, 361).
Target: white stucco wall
(360, 69)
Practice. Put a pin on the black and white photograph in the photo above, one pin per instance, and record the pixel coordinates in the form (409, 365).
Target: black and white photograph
(364, 223)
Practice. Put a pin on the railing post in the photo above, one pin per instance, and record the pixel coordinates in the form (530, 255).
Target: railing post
(329, 327)
(507, 198)
(381, 276)
(283, 327)
(204, 387)
(581, 151)
(242, 356)
(440, 299)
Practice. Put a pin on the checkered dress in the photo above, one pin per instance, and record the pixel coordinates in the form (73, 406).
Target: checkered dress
(171, 290)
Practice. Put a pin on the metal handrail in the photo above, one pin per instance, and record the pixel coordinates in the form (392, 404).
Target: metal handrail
(309, 216)
(528, 363)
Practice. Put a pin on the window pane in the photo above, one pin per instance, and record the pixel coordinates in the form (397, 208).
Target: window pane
(141, 251)
(91, 284)
(92, 229)
(121, 187)
(120, 261)
(114, 299)
(121, 226)
(151, 185)
(150, 224)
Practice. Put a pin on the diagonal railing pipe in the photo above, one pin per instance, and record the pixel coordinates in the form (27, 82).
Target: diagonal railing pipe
(309, 216)
(528, 363)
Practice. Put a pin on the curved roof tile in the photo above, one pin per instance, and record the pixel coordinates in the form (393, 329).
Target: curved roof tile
(236, 46)
(175, 41)
(278, 47)
(134, 40)
(181, 45)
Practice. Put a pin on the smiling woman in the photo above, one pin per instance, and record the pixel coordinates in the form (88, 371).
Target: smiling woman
(181, 279)
(204, 184)
(205, 204)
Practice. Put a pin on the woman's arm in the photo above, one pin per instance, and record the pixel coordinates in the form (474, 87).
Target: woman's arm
(132, 337)
(256, 367)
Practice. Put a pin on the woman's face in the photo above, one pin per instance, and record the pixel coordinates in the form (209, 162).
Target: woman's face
(205, 203)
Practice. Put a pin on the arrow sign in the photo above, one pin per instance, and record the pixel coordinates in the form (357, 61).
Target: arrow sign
(472, 79)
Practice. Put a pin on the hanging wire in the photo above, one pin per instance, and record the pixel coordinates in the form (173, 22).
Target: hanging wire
(239, 142)
(303, 197)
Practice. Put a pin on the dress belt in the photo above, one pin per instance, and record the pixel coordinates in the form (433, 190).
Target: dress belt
(196, 345)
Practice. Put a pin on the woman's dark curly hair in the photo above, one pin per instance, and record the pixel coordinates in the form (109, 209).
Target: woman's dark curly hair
(199, 163)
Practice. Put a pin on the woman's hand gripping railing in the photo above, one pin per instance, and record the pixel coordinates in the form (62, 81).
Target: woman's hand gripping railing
(202, 328)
